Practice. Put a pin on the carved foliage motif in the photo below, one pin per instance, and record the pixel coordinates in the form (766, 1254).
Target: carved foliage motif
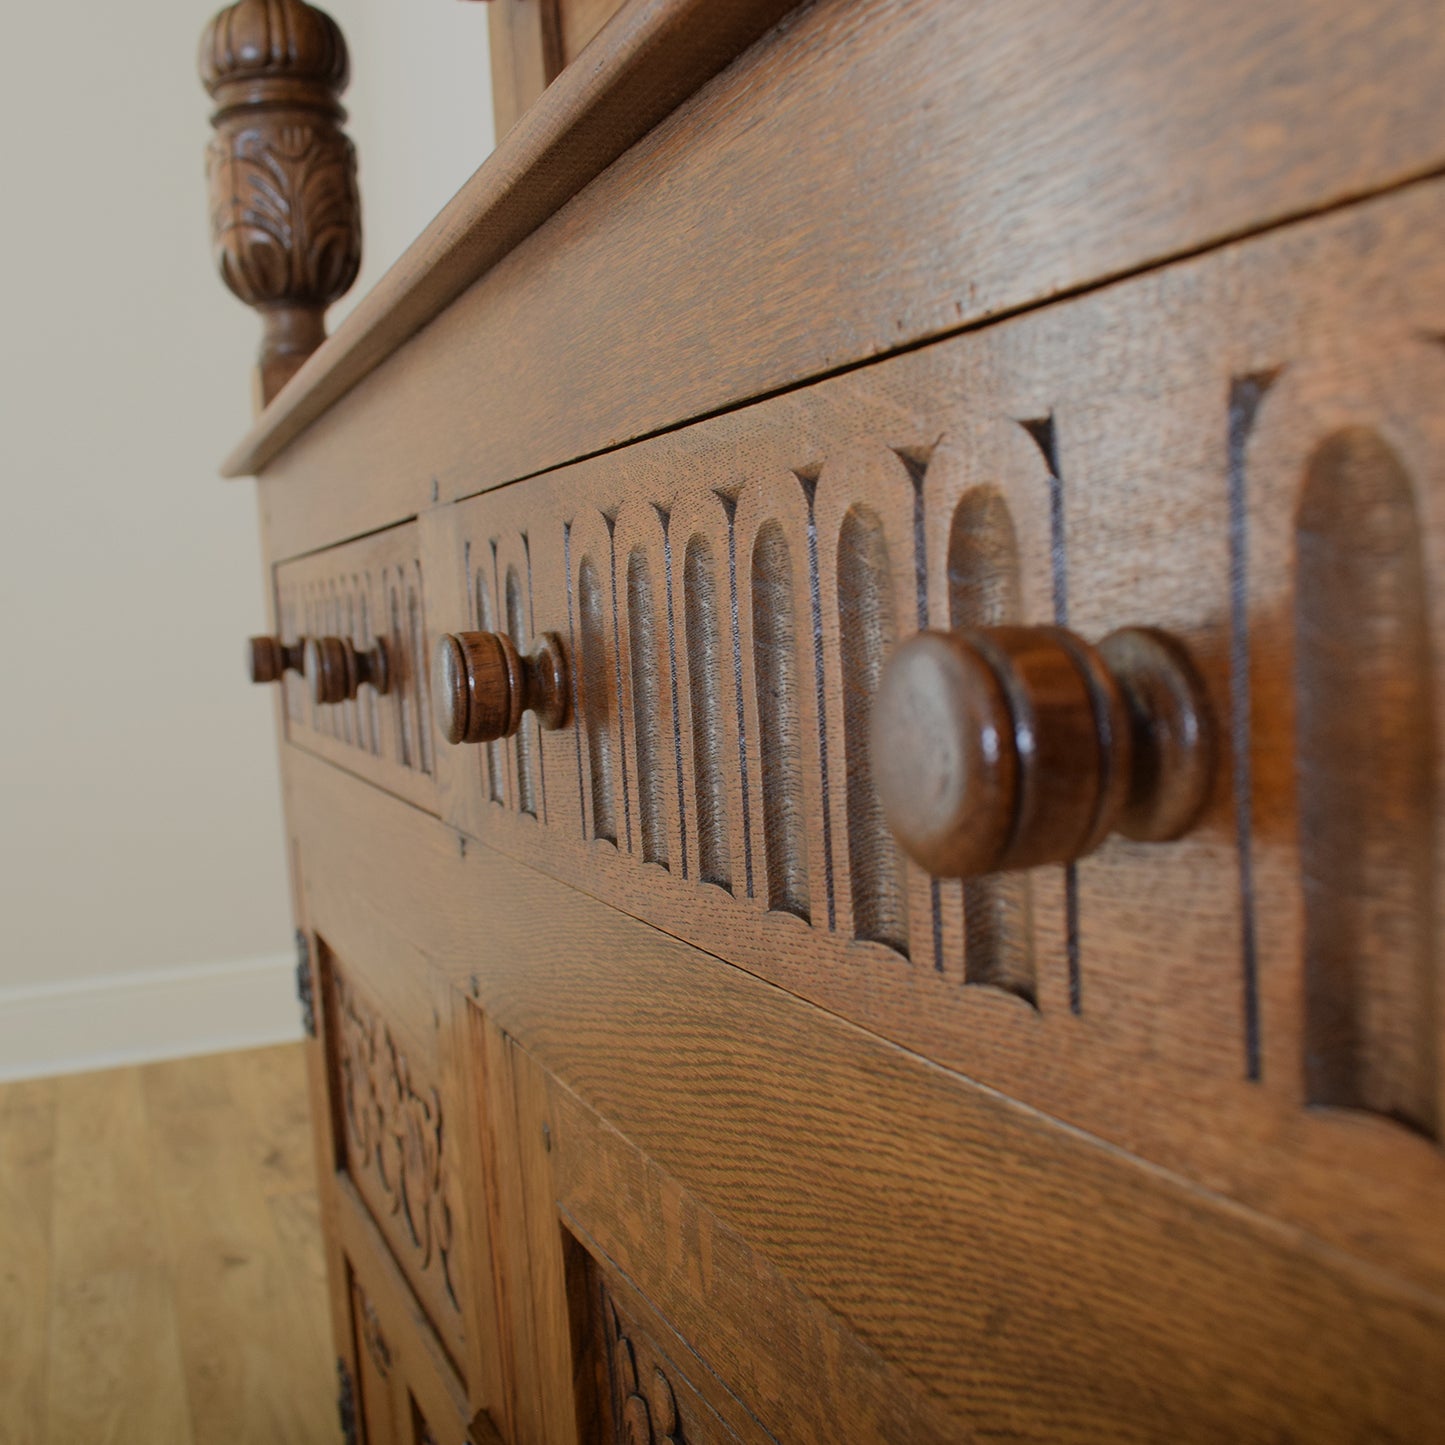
(285, 213)
(394, 1132)
(644, 1411)
(285, 216)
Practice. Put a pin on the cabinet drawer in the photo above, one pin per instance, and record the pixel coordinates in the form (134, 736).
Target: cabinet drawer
(1245, 450)
(366, 593)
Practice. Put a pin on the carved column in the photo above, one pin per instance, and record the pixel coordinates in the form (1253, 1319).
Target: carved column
(285, 214)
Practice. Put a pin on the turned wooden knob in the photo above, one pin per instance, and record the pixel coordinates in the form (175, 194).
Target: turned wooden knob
(268, 659)
(336, 668)
(1006, 747)
(481, 685)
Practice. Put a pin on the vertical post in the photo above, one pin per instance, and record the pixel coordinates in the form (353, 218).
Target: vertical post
(285, 214)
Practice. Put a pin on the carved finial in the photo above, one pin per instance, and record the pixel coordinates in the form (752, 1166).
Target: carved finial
(285, 215)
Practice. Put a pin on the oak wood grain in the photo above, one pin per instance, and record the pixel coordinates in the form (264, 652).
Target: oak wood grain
(116, 1365)
(27, 1168)
(525, 44)
(414, 1361)
(215, 1180)
(365, 600)
(980, 1269)
(656, 54)
(762, 1131)
(720, 258)
(137, 1203)
(1177, 967)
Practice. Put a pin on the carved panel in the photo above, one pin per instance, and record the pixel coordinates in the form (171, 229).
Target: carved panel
(396, 1150)
(1089, 468)
(365, 590)
(644, 1394)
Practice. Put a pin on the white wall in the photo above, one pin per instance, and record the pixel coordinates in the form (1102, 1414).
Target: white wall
(143, 902)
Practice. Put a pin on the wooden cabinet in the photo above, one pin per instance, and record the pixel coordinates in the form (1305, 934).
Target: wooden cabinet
(663, 1093)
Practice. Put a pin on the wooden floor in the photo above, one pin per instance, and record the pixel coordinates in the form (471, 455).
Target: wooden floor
(161, 1268)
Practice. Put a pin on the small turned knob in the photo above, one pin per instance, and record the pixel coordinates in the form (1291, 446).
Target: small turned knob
(481, 685)
(336, 668)
(1007, 747)
(268, 658)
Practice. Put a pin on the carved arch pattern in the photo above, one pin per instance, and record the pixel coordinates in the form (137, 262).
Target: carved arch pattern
(368, 590)
(1016, 516)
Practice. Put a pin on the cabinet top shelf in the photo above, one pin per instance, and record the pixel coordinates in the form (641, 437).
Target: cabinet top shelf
(646, 62)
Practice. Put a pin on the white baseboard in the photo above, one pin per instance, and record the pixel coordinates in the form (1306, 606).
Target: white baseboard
(102, 1022)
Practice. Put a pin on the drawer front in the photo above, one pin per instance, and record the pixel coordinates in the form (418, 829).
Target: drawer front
(365, 592)
(1244, 449)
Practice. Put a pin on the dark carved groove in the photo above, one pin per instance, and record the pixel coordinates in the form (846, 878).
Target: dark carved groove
(404, 719)
(536, 726)
(577, 723)
(372, 700)
(730, 506)
(1246, 394)
(1366, 739)
(780, 740)
(868, 632)
(595, 694)
(704, 661)
(646, 710)
(416, 670)
(527, 732)
(495, 752)
(621, 717)
(983, 591)
(809, 483)
(666, 520)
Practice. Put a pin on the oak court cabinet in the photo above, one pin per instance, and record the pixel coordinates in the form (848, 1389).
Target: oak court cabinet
(855, 632)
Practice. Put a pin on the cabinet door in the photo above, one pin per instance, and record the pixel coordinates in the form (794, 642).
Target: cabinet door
(407, 1190)
(404, 1394)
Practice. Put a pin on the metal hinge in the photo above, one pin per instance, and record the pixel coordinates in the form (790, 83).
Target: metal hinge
(346, 1403)
(305, 983)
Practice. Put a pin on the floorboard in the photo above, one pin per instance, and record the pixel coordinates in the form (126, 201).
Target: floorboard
(161, 1263)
